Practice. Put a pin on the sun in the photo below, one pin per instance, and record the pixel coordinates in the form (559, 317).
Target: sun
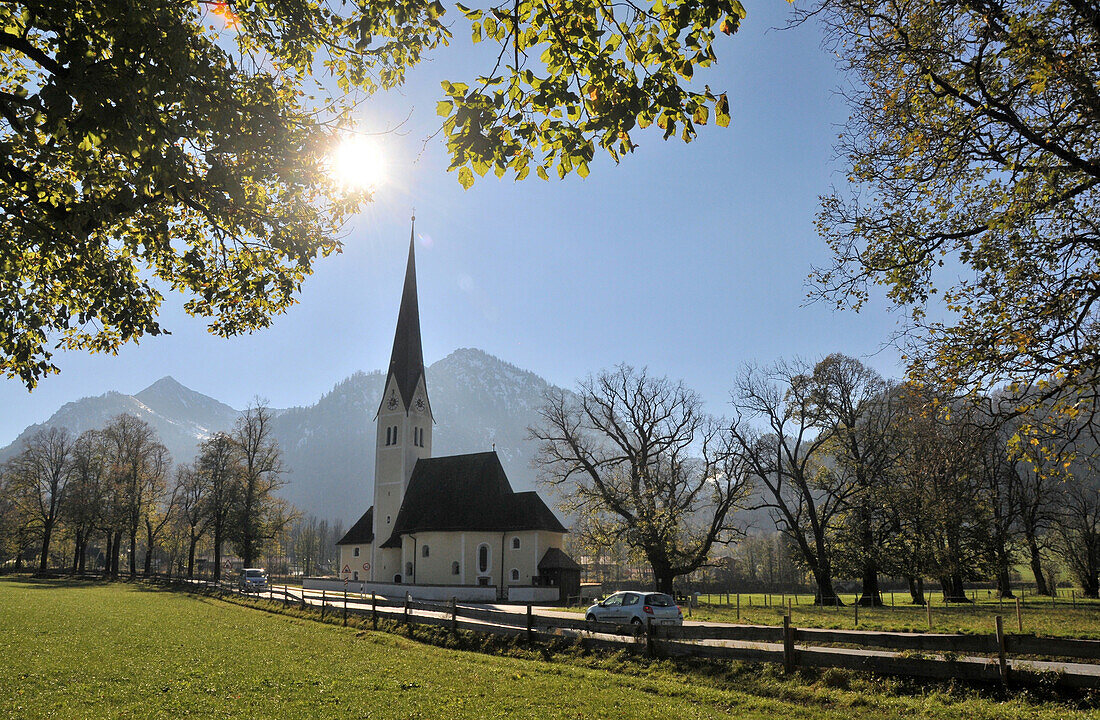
(358, 163)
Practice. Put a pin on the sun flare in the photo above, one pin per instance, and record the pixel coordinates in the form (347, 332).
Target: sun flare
(358, 163)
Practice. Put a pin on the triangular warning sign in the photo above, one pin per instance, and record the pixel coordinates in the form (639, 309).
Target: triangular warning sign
(347, 569)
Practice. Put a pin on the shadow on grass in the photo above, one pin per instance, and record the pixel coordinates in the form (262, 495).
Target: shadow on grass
(37, 582)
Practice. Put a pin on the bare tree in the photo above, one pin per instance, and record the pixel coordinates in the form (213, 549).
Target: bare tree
(140, 465)
(88, 486)
(638, 457)
(193, 509)
(787, 457)
(40, 475)
(259, 514)
(159, 512)
(856, 409)
(16, 528)
(218, 481)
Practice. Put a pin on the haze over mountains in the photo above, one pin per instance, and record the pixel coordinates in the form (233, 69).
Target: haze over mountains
(328, 447)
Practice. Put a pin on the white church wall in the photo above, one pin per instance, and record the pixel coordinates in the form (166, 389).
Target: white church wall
(463, 593)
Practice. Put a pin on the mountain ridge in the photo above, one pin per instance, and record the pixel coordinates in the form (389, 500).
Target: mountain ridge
(480, 402)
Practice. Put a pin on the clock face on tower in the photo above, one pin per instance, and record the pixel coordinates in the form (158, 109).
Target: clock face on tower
(392, 403)
(420, 404)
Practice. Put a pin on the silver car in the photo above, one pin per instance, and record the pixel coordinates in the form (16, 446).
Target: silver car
(637, 608)
(253, 580)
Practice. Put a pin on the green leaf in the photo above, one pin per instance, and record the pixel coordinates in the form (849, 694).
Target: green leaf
(722, 111)
(466, 178)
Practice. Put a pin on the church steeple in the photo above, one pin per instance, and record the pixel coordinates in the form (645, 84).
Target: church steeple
(407, 357)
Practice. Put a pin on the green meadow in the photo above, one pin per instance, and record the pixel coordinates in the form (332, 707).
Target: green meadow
(86, 650)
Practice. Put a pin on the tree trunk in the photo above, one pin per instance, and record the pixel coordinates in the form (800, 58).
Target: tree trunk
(824, 595)
(664, 583)
(116, 550)
(871, 596)
(47, 532)
(76, 551)
(1004, 582)
(217, 556)
(192, 542)
(133, 552)
(916, 590)
(83, 554)
(1090, 584)
(1037, 565)
(953, 589)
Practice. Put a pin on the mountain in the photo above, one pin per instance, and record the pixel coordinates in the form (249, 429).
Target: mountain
(328, 447)
(180, 416)
(477, 400)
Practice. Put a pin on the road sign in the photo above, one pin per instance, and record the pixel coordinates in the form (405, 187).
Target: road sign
(228, 565)
(346, 569)
(366, 566)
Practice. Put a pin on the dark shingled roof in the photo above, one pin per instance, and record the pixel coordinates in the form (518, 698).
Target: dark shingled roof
(407, 357)
(556, 559)
(467, 492)
(362, 532)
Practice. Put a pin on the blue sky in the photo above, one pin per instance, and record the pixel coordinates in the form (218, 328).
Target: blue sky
(690, 259)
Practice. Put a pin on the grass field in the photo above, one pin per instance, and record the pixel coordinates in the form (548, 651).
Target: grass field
(127, 651)
(1076, 618)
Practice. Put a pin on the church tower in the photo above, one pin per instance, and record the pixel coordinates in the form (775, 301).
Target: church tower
(404, 427)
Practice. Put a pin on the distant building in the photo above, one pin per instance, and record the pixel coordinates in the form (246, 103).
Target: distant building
(449, 520)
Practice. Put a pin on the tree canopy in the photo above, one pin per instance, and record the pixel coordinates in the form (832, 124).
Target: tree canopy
(180, 145)
(638, 461)
(972, 151)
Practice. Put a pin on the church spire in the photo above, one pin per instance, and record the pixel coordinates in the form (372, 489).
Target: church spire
(407, 358)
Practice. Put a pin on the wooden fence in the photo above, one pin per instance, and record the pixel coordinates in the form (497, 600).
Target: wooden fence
(981, 658)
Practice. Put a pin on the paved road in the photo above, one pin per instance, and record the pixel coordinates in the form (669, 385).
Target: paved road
(1089, 672)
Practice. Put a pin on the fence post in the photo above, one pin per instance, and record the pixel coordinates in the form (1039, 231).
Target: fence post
(323, 594)
(285, 600)
(1019, 616)
(1073, 596)
(738, 606)
(855, 611)
(928, 609)
(454, 614)
(649, 644)
(374, 611)
(530, 624)
(345, 605)
(788, 645)
(408, 597)
(1001, 662)
(302, 597)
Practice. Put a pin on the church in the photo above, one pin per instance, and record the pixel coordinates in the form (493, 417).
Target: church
(446, 521)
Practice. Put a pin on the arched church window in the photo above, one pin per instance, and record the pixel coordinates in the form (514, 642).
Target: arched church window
(483, 558)
(515, 575)
(515, 543)
(424, 551)
(389, 437)
(355, 552)
(397, 578)
(455, 568)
